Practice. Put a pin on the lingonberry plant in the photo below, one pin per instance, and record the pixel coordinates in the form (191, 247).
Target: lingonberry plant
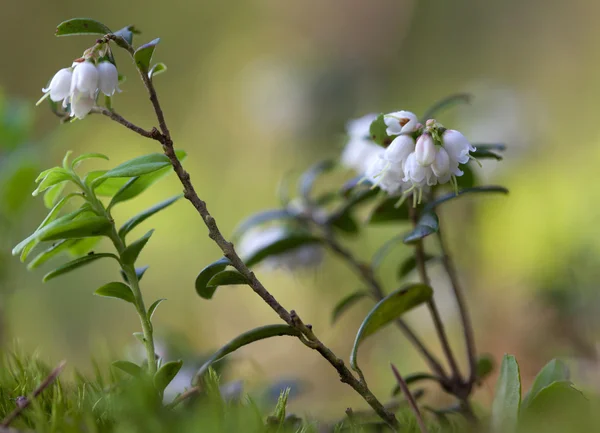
(405, 166)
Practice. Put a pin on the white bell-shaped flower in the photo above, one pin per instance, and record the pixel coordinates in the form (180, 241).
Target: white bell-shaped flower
(60, 85)
(457, 146)
(357, 153)
(85, 79)
(417, 174)
(108, 78)
(386, 175)
(400, 122)
(441, 165)
(399, 149)
(360, 128)
(425, 150)
(81, 104)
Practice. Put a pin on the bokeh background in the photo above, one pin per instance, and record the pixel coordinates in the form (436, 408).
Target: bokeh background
(260, 89)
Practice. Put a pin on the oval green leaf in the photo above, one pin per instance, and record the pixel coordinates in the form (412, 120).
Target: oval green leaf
(78, 228)
(227, 278)
(75, 264)
(157, 69)
(346, 302)
(54, 177)
(116, 290)
(143, 55)
(554, 371)
(280, 246)
(131, 253)
(428, 224)
(378, 133)
(81, 26)
(507, 400)
(206, 274)
(138, 166)
(153, 307)
(450, 196)
(387, 310)
(308, 178)
(127, 34)
(244, 339)
(143, 216)
(129, 368)
(166, 374)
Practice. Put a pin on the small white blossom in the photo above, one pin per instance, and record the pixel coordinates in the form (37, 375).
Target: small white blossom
(81, 104)
(425, 150)
(399, 149)
(457, 146)
(417, 174)
(441, 165)
(400, 122)
(85, 79)
(360, 128)
(360, 149)
(60, 85)
(108, 78)
(386, 174)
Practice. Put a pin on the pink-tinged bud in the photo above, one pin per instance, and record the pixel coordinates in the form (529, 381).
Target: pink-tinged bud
(425, 150)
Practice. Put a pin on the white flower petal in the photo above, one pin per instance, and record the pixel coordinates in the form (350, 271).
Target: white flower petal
(457, 146)
(441, 165)
(81, 104)
(60, 85)
(85, 79)
(425, 150)
(108, 78)
(400, 148)
(360, 128)
(400, 122)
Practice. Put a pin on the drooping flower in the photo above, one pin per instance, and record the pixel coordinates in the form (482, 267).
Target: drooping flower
(81, 104)
(108, 78)
(441, 165)
(399, 149)
(360, 149)
(417, 174)
(360, 128)
(457, 146)
(385, 174)
(400, 122)
(85, 79)
(60, 85)
(425, 150)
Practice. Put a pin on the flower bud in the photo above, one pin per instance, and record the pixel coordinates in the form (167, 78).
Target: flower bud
(425, 150)
(400, 122)
(85, 79)
(108, 78)
(399, 149)
(60, 85)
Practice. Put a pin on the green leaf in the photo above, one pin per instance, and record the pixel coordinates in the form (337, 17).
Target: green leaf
(387, 310)
(384, 250)
(52, 194)
(82, 246)
(131, 253)
(206, 274)
(157, 69)
(129, 368)
(65, 161)
(410, 264)
(166, 374)
(244, 339)
(378, 133)
(414, 378)
(53, 251)
(344, 222)
(127, 33)
(497, 147)
(81, 26)
(485, 366)
(486, 154)
(116, 290)
(346, 302)
(428, 224)
(54, 177)
(282, 245)
(227, 278)
(139, 272)
(85, 156)
(77, 228)
(450, 196)
(554, 371)
(468, 179)
(75, 264)
(308, 178)
(507, 400)
(259, 219)
(445, 103)
(153, 307)
(143, 55)
(141, 217)
(138, 166)
(387, 211)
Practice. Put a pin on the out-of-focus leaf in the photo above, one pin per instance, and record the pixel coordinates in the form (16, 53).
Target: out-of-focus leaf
(129, 368)
(486, 154)
(52, 194)
(202, 288)
(244, 339)
(141, 217)
(428, 224)
(77, 228)
(378, 133)
(85, 156)
(507, 400)
(81, 26)
(143, 55)
(468, 179)
(157, 69)
(345, 223)
(116, 290)
(16, 177)
(227, 278)
(138, 166)
(387, 310)
(259, 219)
(153, 307)
(384, 250)
(451, 195)
(554, 371)
(387, 211)
(485, 366)
(282, 245)
(166, 374)
(131, 253)
(497, 147)
(75, 264)
(444, 104)
(308, 178)
(346, 302)
(408, 265)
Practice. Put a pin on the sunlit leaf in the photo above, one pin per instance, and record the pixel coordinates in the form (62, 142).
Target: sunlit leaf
(141, 217)
(81, 26)
(77, 228)
(554, 371)
(507, 399)
(85, 156)
(129, 368)
(157, 69)
(166, 374)
(428, 224)
(131, 253)
(246, 338)
(143, 55)
(52, 178)
(202, 288)
(387, 310)
(138, 166)
(346, 302)
(451, 195)
(75, 264)
(79, 247)
(53, 251)
(116, 290)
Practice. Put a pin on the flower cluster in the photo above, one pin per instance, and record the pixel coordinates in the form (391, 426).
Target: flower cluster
(417, 158)
(78, 87)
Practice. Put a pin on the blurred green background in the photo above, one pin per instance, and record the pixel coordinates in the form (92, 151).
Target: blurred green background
(260, 89)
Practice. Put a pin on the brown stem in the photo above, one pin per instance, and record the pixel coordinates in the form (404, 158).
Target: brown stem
(27, 401)
(409, 397)
(462, 308)
(435, 315)
(120, 119)
(366, 272)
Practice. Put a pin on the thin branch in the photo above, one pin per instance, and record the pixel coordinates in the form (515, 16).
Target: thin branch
(411, 401)
(462, 308)
(27, 401)
(120, 119)
(366, 272)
